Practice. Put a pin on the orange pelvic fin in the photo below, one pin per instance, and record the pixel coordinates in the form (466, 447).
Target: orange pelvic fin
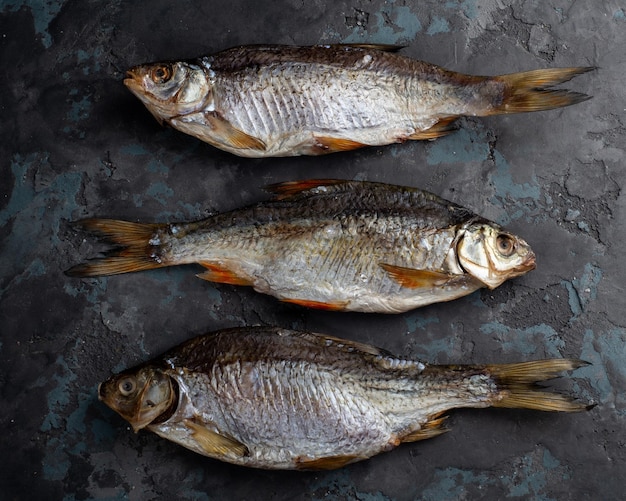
(318, 305)
(283, 191)
(530, 90)
(416, 279)
(327, 463)
(334, 144)
(517, 385)
(219, 273)
(139, 248)
(441, 128)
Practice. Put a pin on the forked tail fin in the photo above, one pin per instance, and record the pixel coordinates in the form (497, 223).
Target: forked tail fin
(518, 388)
(138, 248)
(531, 90)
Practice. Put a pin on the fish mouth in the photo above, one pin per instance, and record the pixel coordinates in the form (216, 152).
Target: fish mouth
(529, 264)
(131, 80)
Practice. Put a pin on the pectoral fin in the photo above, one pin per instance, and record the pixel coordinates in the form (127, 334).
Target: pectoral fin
(327, 463)
(221, 274)
(232, 136)
(215, 444)
(416, 279)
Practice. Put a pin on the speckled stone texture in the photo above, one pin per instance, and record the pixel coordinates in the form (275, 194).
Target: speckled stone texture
(76, 143)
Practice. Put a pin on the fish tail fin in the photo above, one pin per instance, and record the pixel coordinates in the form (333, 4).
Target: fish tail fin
(518, 385)
(531, 90)
(137, 248)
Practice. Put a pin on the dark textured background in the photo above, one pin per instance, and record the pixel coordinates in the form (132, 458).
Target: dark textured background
(76, 143)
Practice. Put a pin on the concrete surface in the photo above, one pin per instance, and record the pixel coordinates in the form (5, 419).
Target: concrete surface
(76, 143)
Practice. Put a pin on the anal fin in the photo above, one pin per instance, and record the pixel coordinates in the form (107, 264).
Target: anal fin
(325, 463)
(442, 128)
(215, 444)
(334, 144)
(222, 274)
(318, 305)
(416, 279)
(434, 427)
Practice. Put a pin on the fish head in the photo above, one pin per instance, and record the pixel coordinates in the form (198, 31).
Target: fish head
(493, 256)
(171, 89)
(140, 396)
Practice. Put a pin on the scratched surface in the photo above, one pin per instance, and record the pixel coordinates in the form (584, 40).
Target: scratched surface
(76, 143)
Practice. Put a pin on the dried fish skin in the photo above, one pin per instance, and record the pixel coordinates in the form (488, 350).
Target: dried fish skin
(330, 244)
(273, 398)
(273, 100)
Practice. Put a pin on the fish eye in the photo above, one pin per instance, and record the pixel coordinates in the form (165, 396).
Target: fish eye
(127, 386)
(505, 245)
(161, 74)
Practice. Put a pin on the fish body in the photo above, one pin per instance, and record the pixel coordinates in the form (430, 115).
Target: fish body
(273, 398)
(330, 244)
(263, 101)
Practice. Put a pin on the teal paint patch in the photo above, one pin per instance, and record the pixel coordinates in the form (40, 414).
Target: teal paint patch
(134, 150)
(462, 147)
(506, 187)
(581, 291)
(90, 61)
(529, 480)
(549, 461)
(390, 26)
(21, 194)
(335, 484)
(606, 352)
(525, 341)
(58, 397)
(160, 192)
(433, 348)
(188, 488)
(43, 14)
(36, 208)
(103, 432)
(56, 462)
(472, 146)
(468, 7)
(91, 291)
(79, 110)
(438, 25)
(573, 300)
(157, 167)
(415, 321)
(619, 15)
(451, 483)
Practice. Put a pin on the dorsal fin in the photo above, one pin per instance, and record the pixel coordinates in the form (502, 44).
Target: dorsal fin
(375, 46)
(345, 344)
(288, 189)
